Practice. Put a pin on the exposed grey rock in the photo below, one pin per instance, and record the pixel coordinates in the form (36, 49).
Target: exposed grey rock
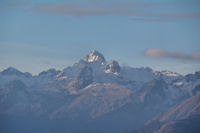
(113, 67)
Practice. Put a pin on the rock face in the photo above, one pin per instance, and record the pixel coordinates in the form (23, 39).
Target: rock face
(154, 91)
(94, 101)
(196, 90)
(192, 77)
(183, 110)
(83, 79)
(181, 118)
(95, 96)
(113, 67)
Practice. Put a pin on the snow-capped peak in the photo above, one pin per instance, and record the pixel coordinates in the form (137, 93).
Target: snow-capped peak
(172, 74)
(95, 56)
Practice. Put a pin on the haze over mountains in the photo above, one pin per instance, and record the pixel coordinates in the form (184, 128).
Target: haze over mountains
(96, 96)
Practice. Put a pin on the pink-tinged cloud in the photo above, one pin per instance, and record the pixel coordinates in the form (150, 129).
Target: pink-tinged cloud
(137, 11)
(171, 16)
(158, 53)
(75, 9)
(19, 3)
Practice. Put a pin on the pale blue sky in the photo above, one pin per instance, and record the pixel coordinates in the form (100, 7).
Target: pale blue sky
(40, 34)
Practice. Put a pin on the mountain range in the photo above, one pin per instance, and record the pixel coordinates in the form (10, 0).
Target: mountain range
(98, 96)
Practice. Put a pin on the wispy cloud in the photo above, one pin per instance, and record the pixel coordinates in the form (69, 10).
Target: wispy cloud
(16, 5)
(76, 9)
(19, 3)
(142, 11)
(161, 53)
(138, 11)
(172, 16)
